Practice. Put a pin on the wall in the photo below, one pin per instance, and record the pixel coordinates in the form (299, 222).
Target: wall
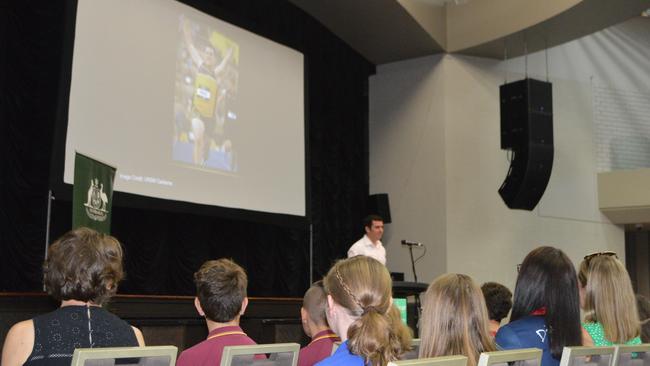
(406, 157)
(486, 239)
(434, 147)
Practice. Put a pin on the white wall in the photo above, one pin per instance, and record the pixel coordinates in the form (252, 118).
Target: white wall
(487, 240)
(434, 132)
(407, 157)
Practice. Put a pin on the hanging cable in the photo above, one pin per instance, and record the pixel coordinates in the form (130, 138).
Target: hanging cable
(505, 61)
(546, 56)
(525, 57)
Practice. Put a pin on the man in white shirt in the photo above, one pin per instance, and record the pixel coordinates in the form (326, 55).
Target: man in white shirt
(370, 245)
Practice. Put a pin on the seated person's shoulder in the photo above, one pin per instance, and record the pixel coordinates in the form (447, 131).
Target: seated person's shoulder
(523, 333)
(342, 358)
(507, 337)
(19, 343)
(24, 328)
(190, 355)
(195, 349)
(339, 361)
(206, 348)
(138, 336)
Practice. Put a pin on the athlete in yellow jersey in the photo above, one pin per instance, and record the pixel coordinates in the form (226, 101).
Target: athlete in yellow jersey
(208, 98)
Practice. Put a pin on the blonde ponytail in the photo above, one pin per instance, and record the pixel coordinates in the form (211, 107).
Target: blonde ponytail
(363, 287)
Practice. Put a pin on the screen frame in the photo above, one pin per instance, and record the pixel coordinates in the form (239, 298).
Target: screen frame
(63, 191)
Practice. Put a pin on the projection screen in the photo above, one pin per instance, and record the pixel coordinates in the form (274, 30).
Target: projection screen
(187, 107)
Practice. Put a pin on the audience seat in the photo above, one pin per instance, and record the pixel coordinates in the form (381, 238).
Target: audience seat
(280, 354)
(142, 356)
(414, 352)
(433, 361)
(517, 357)
(637, 355)
(587, 356)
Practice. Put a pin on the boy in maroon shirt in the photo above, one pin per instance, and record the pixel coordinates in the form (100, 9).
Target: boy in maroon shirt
(315, 326)
(221, 299)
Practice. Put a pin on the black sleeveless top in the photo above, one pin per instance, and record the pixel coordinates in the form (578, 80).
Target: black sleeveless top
(57, 334)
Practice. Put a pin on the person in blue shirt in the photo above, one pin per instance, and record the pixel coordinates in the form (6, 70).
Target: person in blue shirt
(546, 306)
(360, 311)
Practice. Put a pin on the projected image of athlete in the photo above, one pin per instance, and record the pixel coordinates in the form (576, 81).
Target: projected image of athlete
(209, 99)
(205, 126)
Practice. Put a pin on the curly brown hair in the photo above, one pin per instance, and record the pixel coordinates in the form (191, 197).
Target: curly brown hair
(83, 265)
(498, 300)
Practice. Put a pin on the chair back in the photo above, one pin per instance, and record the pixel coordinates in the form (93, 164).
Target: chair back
(279, 354)
(587, 356)
(637, 355)
(141, 356)
(414, 353)
(433, 361)
(515, 357)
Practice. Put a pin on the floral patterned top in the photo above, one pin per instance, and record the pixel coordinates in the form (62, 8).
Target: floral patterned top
(597, 334)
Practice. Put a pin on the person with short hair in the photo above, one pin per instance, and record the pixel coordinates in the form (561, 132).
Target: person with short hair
(454, 319)
(370, 244)
(220, 298)
(314, 323)
(546, 306)
(498, 300)
(607, 297)
(361, 312)
(82, 270)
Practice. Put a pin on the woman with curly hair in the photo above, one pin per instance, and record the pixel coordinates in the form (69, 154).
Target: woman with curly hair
(82, 270)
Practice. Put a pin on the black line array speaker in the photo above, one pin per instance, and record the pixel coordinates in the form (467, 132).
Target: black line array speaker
(378, 205)
(527, 130)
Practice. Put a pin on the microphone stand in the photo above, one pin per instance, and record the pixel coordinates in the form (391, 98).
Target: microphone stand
(415, 275)
(418, 307)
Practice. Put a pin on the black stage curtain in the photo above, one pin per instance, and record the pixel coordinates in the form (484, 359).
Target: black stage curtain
(163, 248)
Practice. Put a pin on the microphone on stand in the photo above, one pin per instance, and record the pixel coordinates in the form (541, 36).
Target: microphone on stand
(411, 243)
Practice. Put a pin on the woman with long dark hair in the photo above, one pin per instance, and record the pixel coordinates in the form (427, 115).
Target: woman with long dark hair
(546, 307)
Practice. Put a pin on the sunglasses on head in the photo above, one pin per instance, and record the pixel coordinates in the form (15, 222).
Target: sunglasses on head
(591, 256)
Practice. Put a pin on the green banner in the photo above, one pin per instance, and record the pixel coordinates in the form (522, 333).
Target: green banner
(93, 194)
